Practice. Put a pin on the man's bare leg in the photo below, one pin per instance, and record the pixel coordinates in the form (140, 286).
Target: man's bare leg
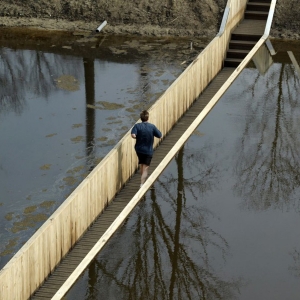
(144, 173)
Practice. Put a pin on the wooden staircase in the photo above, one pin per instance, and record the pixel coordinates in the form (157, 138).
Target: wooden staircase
(245, 37)
(257, 9)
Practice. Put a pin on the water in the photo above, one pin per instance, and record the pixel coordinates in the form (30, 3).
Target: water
(223, 220)
(65, 101)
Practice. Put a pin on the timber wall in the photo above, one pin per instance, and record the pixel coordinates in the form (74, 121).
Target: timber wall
(31, 265)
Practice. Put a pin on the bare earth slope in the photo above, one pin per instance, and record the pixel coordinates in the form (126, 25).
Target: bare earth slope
(144, 17)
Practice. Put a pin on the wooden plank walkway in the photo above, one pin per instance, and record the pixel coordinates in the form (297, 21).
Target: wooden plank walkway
(89, 239)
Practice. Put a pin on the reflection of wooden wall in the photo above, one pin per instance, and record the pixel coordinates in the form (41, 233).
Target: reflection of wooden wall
(38, 257)
(263, 59)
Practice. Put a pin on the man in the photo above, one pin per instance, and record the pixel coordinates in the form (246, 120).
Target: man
(144, 134)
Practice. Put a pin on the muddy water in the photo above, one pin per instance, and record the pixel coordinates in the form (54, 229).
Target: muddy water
(223, 219)
(65, 101)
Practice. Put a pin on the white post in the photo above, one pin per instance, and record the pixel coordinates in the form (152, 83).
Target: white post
(101, 26)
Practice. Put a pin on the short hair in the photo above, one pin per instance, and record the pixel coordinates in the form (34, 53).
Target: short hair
(144, 115)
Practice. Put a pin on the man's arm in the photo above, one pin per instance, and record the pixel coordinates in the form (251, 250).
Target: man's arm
(157, 133)
(134, 132)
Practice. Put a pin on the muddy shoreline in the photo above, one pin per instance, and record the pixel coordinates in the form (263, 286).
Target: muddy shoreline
(85, 28)
(138, 17)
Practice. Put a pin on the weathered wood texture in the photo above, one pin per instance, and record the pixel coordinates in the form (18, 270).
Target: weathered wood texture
(27, 270)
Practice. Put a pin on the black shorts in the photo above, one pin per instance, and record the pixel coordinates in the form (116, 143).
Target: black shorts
(144, 159)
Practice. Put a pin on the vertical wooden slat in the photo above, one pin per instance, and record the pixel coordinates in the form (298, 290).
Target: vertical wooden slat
(57, 240)
(25, 279)
(93, 196)
(66, 230)
(17, 277)
(51, 254)
(74, 223)
(46, 270)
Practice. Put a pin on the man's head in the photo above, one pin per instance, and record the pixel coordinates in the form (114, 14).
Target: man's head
(144, 116)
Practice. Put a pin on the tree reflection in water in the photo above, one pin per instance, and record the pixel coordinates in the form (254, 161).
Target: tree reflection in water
(268, 163)
(296, 267)
(164, 249)
(268, 160)
(34, 71)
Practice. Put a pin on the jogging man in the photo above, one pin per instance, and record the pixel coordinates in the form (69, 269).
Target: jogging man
(144, 134)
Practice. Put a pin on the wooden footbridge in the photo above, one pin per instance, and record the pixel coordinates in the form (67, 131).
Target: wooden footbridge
(51, 261)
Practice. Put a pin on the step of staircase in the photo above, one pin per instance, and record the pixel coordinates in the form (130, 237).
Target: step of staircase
(260, 1)
(237, 53)
(232, 62)
(245, 37)
(243, 45)
(256, 15)
(258, 6)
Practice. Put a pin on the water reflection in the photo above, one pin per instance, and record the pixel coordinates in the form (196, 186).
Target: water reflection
(295, 268)
(145, 84)
(263, 60)
(165, 249)
(89, 75)
(35, 69)
(267, 169)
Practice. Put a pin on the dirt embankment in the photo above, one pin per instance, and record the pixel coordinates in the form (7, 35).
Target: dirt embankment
(143, 17)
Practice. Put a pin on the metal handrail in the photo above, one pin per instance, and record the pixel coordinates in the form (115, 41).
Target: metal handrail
(225, 18)
(270, 19)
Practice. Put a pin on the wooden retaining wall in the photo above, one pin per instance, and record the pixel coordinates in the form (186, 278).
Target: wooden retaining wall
(25, 272)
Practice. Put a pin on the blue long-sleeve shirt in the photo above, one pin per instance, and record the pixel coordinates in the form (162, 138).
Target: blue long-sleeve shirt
(145, 133)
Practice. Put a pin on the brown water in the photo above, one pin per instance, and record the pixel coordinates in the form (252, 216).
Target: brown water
(223, 220)
(65, 101)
